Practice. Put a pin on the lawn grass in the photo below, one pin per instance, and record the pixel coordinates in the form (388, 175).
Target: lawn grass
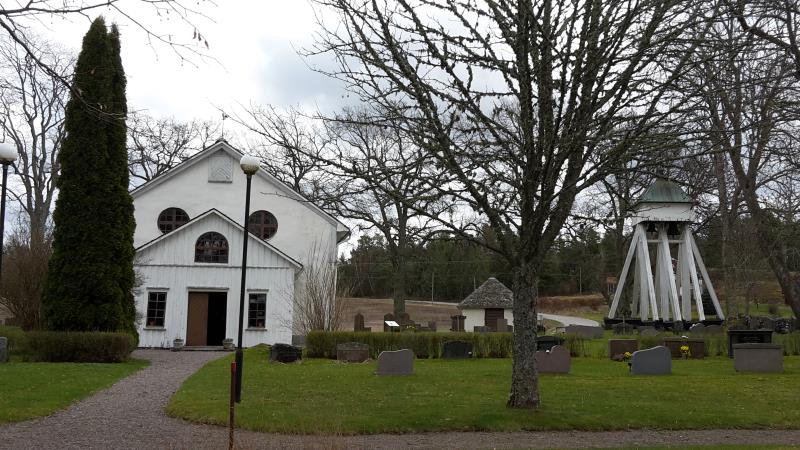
(325, 397)
(30, 390)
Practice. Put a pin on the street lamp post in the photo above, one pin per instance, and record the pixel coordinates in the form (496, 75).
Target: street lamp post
(250, 166)
(8, 154)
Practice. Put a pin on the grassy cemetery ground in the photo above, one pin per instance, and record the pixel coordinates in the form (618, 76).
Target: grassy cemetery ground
(322, 397)
(37, 389)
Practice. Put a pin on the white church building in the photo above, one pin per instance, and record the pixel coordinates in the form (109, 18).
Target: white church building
(188, 241)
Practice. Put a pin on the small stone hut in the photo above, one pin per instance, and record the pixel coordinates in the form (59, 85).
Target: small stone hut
(491, 301)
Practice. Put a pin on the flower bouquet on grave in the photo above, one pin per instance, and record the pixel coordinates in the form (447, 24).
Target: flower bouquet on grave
(627, 358)
(685, 352)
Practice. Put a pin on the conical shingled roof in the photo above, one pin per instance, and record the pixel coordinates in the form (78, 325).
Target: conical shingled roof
(664, 191)
(491, 294)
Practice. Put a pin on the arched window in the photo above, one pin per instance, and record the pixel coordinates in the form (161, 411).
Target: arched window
(171, 218)
(211, 247)
(263, 224)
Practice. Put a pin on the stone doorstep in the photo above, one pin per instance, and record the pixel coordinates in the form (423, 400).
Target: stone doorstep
(203, 348)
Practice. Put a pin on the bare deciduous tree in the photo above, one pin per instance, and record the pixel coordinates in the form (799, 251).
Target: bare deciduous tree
(157, 145)
(32, 118)
(746, 105)
(521, 104)
(24, 270)
(318, 301)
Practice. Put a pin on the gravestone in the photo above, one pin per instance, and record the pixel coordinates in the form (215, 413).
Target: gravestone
(647, 331)
(653, 361)
(585, 332)
(457, 350)
(457, 323)
(698, 329)
(713, 330)
(3, 349)
(618, 347)
(758, 357)
(358, 323)
(544, 343)
(697, 347)
(554, 361)
(502, 325)
(747, 337)
(400, 362)
(403, 318)
(352, 352)
(481, 329)
(387, 318)
(784, 326)
(285, 353)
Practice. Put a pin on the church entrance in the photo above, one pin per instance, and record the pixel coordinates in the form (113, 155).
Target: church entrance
(205, 321)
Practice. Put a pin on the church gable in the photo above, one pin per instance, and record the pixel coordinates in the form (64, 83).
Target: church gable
(211, 239)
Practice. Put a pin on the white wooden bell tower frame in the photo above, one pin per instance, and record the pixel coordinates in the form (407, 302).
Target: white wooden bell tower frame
(669, 292)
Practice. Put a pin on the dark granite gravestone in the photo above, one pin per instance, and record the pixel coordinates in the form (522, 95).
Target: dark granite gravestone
(747, 337)
(358, 323)
(698, 329)
(713, 330)
(647, 331)
(585, 332)
(697, 347)
(457, 323)
(352, 352)
(3, 349)
(544, 343)
(758, 357)
(457, 350)
(554, 361)
(653, 361)
(400, 362)
(388, 318)
(617, 347)
(285, 353)
(502, 325)
(481, 329)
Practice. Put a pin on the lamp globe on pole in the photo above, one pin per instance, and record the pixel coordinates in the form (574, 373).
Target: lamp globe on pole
(8, 154)
(250, 166)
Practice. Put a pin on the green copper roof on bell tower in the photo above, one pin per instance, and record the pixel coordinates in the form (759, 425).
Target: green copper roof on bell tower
(664, 191)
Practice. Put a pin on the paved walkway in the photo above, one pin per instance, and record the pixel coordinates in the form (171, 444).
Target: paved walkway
(570, 320)
(130, 415)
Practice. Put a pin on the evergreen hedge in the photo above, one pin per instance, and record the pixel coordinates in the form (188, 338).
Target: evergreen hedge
(322, 344)
(86, 347)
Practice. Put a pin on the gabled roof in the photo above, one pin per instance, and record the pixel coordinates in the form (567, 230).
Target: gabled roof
(664, 191)
(215, 212)
(342, 230)
(491, 294)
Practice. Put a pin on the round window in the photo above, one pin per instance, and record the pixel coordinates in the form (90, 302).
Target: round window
(171, 218)
(263, 224)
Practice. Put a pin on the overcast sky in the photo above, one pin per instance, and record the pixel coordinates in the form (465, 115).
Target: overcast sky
(255, 45)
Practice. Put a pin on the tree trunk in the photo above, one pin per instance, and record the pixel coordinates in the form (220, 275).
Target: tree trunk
(524, 375)
(399, 285)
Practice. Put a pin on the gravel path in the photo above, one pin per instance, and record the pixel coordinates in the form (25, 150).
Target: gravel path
(130, 415)
(570, 320)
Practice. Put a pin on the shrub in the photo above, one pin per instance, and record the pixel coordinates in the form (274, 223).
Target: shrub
(93, 347)
(322, 344)
(790, 343)
(575, 344)
(16, 338)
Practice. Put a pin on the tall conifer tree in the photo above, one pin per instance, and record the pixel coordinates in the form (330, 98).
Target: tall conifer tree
(90, 277)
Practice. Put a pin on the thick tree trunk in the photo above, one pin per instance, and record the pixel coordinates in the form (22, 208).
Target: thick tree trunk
(524, 375)
(399, 285)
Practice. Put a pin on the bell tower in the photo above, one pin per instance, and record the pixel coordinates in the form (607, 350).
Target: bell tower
(668, 287)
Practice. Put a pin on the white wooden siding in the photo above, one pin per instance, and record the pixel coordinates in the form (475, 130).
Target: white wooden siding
(279, 282)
